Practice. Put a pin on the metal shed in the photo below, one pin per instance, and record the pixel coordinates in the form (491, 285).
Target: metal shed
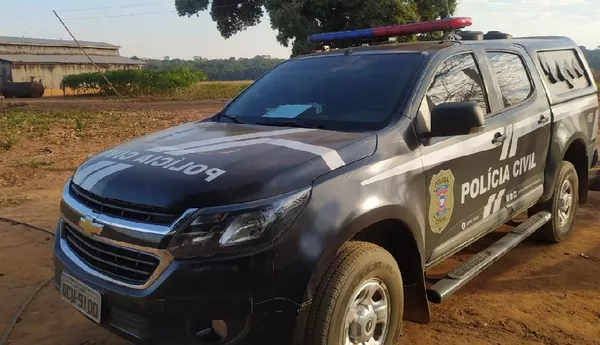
(41, 46)
(49, 61)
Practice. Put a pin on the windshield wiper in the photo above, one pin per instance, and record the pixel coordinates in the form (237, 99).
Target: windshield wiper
(230, 117)
(290, 123)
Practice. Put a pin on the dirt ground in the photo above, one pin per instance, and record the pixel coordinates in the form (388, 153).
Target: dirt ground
(536, 294)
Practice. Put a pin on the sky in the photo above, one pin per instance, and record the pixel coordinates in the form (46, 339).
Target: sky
(152, 29)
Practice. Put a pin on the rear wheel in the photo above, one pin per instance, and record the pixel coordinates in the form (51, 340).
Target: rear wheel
(359, 300)
(562, 206)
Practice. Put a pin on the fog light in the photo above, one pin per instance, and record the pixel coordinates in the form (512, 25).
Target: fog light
(219, 327)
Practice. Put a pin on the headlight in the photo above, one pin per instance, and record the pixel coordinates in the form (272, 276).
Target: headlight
(232, 229)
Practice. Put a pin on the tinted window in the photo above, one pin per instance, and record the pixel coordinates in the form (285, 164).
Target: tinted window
(458, 79)
(512, 77)
(339, 92)
(563, 71)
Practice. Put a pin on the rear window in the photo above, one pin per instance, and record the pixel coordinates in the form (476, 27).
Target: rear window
(512, 77)
(563, 71)
(348, 92)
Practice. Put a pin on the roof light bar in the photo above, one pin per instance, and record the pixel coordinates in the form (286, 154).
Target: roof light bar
(392, 31)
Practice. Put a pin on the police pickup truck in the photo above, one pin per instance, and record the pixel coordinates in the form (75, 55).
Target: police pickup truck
(309, 210)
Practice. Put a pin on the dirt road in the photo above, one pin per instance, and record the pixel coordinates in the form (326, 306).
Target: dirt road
(537, 294)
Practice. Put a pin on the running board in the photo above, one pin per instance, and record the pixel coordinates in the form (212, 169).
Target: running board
(464, 273)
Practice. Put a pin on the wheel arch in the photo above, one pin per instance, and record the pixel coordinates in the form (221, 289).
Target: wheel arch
(575, 151)
(383, 227)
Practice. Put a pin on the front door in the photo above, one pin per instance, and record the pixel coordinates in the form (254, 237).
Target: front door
(464, 177)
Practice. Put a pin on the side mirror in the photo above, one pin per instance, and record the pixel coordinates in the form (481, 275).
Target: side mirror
(450, 119)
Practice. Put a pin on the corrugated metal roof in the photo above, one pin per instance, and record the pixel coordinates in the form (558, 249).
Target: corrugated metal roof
(53, 43)
(69, 59)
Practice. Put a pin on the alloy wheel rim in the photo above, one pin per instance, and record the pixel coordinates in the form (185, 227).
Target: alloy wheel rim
(367, 314)
(565, 204)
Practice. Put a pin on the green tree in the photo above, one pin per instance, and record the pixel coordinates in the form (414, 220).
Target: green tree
(294, 20)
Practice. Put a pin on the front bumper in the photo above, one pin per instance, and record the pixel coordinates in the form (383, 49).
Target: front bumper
(188, 294)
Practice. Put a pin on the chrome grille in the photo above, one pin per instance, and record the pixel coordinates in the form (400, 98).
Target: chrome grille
(120, 263)
(121, 209)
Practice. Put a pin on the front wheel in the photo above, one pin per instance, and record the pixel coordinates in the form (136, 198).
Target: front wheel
(562, 206)
(359, 299)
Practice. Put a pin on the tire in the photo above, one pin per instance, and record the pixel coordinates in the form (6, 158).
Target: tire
(357, 267)
(560, 227)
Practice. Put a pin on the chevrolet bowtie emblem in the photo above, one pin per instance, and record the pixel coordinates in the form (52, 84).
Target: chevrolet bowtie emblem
(89, 227)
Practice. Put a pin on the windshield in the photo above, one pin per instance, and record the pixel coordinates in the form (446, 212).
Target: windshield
(349, 92)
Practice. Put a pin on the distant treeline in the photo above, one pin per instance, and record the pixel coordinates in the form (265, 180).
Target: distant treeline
(219, 69)
(593, 57)
(250, 69)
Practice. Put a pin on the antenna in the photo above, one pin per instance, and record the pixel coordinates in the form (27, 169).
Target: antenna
(448, 35)
(92, 61)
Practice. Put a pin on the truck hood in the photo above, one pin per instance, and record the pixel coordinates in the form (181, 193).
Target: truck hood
(205, 164)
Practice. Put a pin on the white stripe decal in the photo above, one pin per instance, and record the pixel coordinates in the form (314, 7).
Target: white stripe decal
(330, 156)
(398, 170)
(506, 144)
(477, 144)
(562, 111)
(91, 181)
(499, 201)
(595, 125)
(483, 142)
(218, 147)
(221, 140)
(524, 127)
(487, 210)
(85, 172)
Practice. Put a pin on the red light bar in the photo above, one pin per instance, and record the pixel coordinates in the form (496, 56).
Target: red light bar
(423, 27)
(398, 30)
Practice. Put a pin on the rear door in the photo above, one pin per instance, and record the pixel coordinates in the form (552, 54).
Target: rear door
(525, 107)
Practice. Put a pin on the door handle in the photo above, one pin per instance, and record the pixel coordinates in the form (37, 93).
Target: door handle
(543, 120)
(499, 138)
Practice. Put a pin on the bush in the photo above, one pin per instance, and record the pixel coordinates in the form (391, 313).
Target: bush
(134, 82)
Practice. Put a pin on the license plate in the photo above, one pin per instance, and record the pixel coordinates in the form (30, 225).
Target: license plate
(83, 298)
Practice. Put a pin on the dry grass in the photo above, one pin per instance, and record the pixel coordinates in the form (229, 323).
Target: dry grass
(210, 90)
(202, 91)
(59, 126)
(47, 141)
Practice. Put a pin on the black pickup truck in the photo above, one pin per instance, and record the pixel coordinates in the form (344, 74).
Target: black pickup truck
(309, 210)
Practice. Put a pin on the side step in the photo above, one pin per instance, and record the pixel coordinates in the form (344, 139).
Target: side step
(464, 273)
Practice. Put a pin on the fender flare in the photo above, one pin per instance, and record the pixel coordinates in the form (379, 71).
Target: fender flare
(556, 155)
(364, 221)
(419, 306)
